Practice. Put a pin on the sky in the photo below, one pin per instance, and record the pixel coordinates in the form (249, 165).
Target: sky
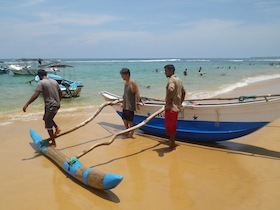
(139, 28)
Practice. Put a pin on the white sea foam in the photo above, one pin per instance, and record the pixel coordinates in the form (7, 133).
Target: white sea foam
(265, 59)
(5, 123)
(128, 60)
(230, 87)
(236, 60)
(10, 117)
(197, 60)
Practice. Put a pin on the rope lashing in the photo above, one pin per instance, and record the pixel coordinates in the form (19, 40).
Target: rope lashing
(71, 162)
(242, 98)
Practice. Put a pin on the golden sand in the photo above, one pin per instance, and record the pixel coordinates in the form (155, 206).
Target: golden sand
(239, 174)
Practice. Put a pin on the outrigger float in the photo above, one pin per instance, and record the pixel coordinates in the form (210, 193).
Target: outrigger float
(86, 175)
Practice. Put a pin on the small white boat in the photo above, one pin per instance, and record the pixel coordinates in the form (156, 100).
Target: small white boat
(209, 120)
(20, 69)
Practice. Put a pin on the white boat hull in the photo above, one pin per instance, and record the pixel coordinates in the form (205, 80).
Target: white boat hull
(212, 121)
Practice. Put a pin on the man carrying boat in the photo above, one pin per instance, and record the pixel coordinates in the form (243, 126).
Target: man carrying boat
(52, 96)
(175, 95)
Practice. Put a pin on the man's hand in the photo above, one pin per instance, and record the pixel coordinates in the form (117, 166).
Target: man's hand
(24, 108)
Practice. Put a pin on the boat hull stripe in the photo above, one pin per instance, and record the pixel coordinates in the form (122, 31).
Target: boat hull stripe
(72, 168)
(85, 175)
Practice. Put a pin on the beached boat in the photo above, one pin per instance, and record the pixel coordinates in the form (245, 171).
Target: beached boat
(209, 120)
(68, 87)
(88, 176)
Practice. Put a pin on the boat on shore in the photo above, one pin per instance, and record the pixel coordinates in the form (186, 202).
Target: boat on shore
(68, 87)
(88, 176)
(208, 120)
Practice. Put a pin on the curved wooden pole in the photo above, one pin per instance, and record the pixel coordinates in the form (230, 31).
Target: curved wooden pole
(122, 132)
(101, 107)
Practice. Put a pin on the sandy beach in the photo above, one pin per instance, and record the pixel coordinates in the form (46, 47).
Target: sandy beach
(239, 174)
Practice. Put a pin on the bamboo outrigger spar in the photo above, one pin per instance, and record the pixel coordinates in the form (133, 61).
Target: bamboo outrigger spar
(88, 176)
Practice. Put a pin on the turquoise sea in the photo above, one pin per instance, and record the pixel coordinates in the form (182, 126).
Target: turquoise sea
(220, 75)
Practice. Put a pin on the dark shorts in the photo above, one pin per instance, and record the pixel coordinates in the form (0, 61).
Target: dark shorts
(170, 122)
(128, 115)
(48, 117)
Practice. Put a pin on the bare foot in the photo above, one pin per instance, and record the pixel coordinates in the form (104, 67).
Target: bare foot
(57, 131)
(130, 135)
(53, 143)
(173, 146)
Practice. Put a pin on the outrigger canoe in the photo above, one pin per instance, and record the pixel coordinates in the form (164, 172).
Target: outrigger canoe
(88, 176)
(209, 120)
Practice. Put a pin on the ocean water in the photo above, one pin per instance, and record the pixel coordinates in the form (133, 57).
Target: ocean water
(220, 75)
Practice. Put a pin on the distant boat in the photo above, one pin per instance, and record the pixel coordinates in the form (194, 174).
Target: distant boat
(3, 69)
(26, 66)
(21, 69)
(209, 120)
(68, 87)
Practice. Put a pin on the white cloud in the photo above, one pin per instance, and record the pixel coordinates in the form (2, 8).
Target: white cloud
(76, 19)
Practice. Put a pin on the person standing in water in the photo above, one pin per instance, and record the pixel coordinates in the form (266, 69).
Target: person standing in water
(131, 98)
(52, 96)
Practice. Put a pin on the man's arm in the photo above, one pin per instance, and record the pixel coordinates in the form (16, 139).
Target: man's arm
(134, 89)
(33, 98)
(183, 95)
(170, 91)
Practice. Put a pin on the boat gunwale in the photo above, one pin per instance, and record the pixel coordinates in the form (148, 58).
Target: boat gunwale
(189, 103)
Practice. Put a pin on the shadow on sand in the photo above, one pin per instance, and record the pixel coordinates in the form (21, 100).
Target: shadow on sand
(223, 146)
(227, 146)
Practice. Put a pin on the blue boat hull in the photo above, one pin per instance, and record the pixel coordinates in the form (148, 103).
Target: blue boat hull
(200, 131)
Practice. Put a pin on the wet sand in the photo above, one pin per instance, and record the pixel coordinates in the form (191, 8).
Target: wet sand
(239, 174)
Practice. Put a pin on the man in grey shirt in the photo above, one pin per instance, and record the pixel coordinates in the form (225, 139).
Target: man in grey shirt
(131, 99)
(52, 96)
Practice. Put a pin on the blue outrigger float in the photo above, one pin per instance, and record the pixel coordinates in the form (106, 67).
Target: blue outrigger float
(88, 176)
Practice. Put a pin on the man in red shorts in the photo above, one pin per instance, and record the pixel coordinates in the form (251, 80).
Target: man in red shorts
(175, 95)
